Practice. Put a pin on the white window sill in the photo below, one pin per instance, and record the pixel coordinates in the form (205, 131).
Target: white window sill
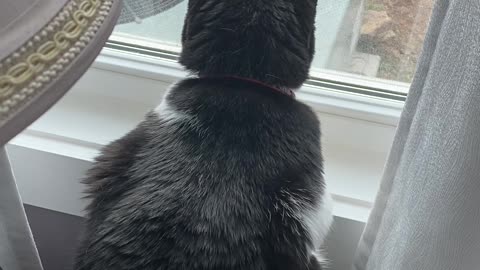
(121, 87)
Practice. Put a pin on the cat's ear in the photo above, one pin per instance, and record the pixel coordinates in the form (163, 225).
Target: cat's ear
(311, 42)
(310, 39)
(186, 22)
(186, 25)
(188, 19)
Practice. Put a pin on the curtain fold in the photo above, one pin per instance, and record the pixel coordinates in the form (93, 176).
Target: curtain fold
(17, 248)
(427, 212)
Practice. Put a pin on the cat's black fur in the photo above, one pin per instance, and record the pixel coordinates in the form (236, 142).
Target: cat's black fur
(268, 40)
(216, 178)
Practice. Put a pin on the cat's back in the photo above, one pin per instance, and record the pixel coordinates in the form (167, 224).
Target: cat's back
(209, 184)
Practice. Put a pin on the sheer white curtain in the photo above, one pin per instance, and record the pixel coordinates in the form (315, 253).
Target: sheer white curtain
(427, 213)
(136, 10)
(17, 249)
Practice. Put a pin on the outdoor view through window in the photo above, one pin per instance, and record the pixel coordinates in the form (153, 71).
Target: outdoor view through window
(373, 38)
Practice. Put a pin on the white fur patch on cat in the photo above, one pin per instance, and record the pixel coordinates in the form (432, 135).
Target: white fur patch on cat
(317, 221)
(167, 112)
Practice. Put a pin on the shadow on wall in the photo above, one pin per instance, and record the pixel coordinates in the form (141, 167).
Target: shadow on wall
(57, 235)
(342, 242)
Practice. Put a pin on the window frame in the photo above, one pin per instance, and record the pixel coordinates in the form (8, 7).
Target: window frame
(338, 81)
(356, 96)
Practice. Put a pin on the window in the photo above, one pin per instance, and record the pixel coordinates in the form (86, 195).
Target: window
(365, 46)
(366, 53)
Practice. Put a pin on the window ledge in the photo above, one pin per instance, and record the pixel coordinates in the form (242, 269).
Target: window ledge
(322, 99)
(358, 130)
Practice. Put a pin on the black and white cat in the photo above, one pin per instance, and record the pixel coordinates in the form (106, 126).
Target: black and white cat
(226, 174)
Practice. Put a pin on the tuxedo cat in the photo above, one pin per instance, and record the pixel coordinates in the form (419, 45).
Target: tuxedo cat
(226, 173)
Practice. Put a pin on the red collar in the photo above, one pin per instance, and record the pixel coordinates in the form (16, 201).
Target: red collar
(285, 91)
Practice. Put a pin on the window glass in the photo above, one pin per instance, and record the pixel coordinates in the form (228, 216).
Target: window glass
(370, 38)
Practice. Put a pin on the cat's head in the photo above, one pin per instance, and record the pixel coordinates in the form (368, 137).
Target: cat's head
(268, 40)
